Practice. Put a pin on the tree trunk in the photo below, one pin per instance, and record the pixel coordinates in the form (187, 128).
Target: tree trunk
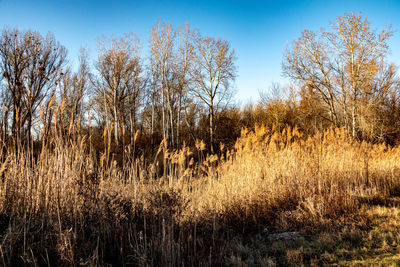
(163, 118)
(354, 122)
(115, 118)
(212, 127)
(178, 122)
(152, 124)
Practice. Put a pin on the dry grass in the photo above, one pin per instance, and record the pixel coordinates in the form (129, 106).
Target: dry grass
(68, 208)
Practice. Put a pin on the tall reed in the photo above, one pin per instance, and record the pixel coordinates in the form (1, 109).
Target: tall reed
(66, 206)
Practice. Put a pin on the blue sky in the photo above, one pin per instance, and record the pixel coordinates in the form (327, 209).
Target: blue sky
(259, 31)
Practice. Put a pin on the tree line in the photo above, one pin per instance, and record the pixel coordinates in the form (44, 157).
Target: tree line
(186, 76)
(181, 91)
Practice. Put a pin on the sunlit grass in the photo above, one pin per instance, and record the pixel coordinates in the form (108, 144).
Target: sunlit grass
(68, 207)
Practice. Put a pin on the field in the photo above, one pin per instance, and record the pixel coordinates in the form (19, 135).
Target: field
(276, 199)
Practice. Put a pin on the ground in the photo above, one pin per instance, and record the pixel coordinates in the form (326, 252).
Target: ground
(375, 242)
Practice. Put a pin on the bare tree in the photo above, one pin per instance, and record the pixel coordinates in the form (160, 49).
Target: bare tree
(119, 84)
(73, 88)
(341, 66)
(213, 75)
(161, 64)
(31, 66)
(184, 59)
(80, 82)
(6, 103)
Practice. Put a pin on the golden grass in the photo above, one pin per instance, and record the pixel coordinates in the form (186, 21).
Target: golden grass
(68, 207)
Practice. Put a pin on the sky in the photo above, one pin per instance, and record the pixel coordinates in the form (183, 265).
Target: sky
(258, 31)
